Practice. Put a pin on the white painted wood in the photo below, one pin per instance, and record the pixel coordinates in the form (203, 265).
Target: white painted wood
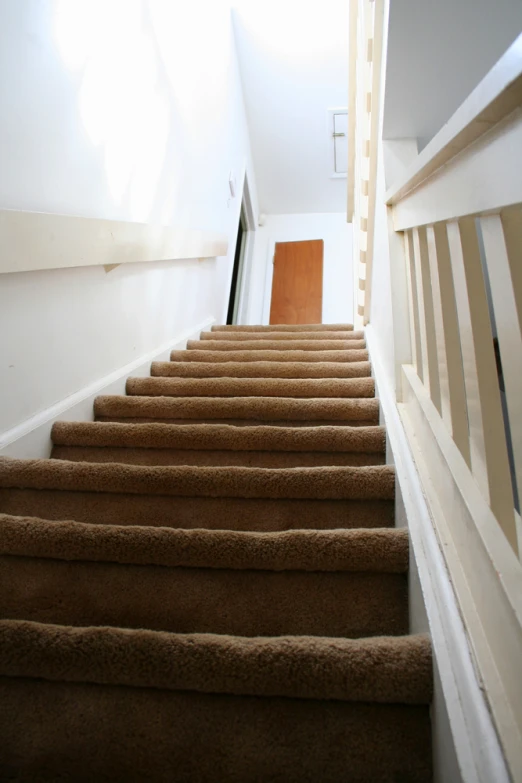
(416, 350)
(489, 457)
(498, 94)
(401, 309)
(503, 258)
(31, 241)
(479, 755)
(372, 108)
(485, 572)
(430, 372)
(32, 438)
(352, 107)
(451, 374)
(484, 177)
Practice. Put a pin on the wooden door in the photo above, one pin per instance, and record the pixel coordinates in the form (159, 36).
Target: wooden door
(297, 287)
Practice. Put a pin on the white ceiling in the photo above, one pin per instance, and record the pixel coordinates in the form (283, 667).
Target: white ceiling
(293, 58)
(437, 53)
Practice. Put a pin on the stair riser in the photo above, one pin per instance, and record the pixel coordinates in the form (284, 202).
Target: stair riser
(261, 369)
(269, 356)
(245, 387)
(214, 513)
(199, 600)
(252, 459)
(200, 727)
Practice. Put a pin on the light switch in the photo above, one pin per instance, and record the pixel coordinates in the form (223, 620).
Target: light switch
(232, 184)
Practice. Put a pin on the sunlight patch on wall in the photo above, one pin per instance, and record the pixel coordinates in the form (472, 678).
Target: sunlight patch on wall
(121, 103)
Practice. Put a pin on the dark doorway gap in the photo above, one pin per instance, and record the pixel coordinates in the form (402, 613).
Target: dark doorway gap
(235, 271)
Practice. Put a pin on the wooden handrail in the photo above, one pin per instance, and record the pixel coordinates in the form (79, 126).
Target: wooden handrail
(33, 241)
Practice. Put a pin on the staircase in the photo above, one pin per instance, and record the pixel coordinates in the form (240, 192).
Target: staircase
(205, 584)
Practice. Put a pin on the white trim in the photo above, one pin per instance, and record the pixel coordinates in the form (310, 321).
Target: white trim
(34, 241)
(31, 438)
(269, 276)
(248, 250)
(477, 747)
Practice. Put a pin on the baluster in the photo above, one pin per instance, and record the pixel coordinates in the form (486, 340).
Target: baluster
(489, 458)
(426, 320)
(503, 247)
(416, 353)
(451, 374)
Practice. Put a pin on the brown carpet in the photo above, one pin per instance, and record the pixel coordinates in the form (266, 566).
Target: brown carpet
(262, 369)
(288, 355)
(205, 583)
(217, 444)
(277, 345)
(251, 387)
(278, 335)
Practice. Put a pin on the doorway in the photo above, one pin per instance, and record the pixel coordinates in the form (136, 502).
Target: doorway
(237, 270)
(297, 283)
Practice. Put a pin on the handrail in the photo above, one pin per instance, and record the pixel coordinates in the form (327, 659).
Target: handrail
(34, 241)
(496, 96)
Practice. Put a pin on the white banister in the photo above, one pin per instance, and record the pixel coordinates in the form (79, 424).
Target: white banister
(458, 209)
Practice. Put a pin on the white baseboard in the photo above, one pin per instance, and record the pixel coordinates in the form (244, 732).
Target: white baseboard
(32, 438)
(476, 744)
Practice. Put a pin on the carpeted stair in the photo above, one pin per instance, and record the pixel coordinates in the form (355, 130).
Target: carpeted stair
(205, 583)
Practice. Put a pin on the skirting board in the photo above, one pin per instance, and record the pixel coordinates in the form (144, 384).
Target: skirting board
(478, 751)
(32, 438)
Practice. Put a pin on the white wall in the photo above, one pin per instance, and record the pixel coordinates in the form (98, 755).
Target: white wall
(294, 65)
(120, 109)
(336, 233)
(437, 53)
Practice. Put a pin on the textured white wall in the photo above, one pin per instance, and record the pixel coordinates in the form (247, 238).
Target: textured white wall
(121, 109)
(336, 233)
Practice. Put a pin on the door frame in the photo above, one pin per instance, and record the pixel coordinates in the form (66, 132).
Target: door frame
(246, 210)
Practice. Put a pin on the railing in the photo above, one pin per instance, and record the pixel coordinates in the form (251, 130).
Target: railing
(366, 29)
(34, 241)
(459, 210)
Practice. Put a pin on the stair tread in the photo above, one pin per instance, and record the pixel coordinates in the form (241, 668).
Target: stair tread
(282, 346)
(262, 369)
(249, 408)
(277, 334)
(378, 669)
(283, 327)
(306, 483)
(220, 436)
(252, 387)
(294, 355)
(384, 549)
